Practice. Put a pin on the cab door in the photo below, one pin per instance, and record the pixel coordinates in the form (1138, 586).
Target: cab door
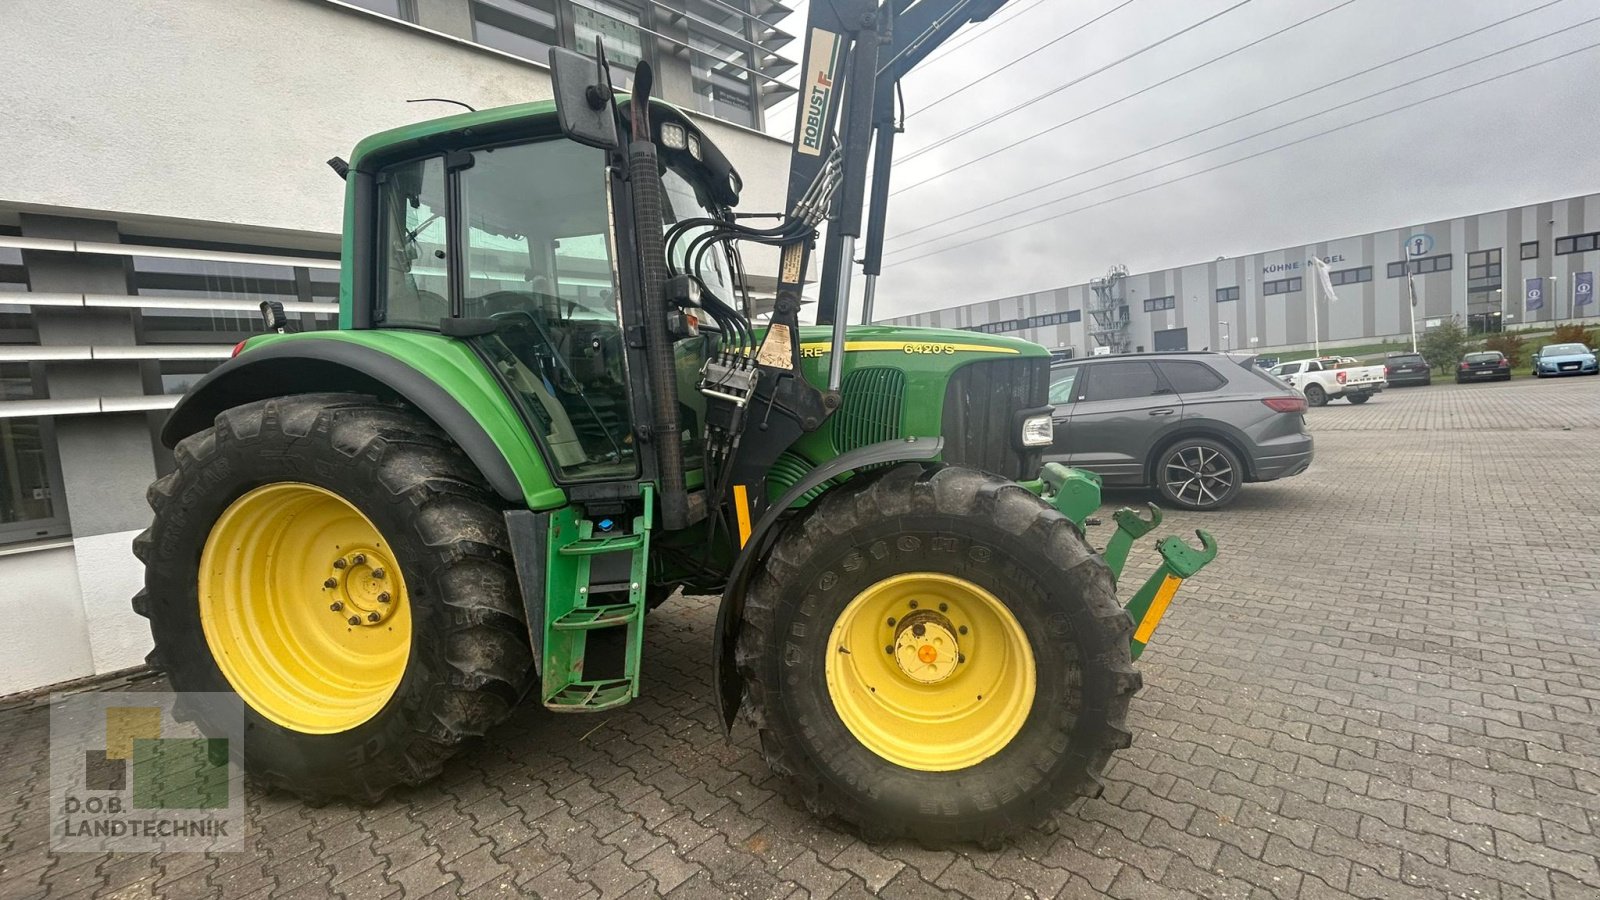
(1120, 412)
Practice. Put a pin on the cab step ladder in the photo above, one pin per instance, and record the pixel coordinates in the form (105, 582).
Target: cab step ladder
(595, 581)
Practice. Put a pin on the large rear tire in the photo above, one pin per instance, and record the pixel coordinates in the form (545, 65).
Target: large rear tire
(937, 654)
(342, 566)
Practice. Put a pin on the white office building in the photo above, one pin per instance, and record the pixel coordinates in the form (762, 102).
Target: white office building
(162, 172)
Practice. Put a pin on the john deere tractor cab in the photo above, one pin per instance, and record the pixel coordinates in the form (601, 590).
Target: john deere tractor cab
(547, 408)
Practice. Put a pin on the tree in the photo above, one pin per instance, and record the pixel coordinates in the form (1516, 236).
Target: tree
(1509, 343)
(1572, 333)
(1443, 345)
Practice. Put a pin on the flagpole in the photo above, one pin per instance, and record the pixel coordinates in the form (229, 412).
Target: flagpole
(1411, 296)
(1316, 285)
(1316, 331)
(1411, 289)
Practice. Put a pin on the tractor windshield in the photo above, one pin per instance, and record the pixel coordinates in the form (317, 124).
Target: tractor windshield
(531, 227)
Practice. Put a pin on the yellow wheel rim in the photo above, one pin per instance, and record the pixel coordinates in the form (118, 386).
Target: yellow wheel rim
(930, 672)
(304, 608)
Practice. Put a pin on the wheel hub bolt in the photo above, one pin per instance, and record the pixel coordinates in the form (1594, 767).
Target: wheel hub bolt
(891, 621)
(331, 583)
(944, 607)
(889, 649)
(377, 573)
(373, 617)
(383, 597)
(336, 606)
(913, 604)
(354, 620)
(919, 629)
(359, 559)
(962, 629)
(340, 563)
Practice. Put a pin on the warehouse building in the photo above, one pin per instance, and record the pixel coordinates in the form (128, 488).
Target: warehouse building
(1514, 268)
(164, 174)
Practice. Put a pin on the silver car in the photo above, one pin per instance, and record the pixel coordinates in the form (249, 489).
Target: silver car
(1195, 426)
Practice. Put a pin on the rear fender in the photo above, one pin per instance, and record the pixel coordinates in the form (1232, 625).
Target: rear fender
(727, 687)
(441, 378)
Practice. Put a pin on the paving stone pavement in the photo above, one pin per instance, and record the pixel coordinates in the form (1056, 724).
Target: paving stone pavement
(1387, 686)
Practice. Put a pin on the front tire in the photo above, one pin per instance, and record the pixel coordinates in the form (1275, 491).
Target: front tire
(996, 695)
(339, 564)
(1315, 395)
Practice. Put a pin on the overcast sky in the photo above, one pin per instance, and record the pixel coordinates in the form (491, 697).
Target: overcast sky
(1530, 136)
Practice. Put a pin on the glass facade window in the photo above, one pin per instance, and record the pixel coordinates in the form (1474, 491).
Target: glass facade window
(1530, 249)
(16, 320)
(1351, 276)
(1156, 304)
(1282, 286)
(31, 506)
(1044, 320)
(1227, 294)
(716, 38)
(159, 277)
(1424, 266)
(722, 60)
(1577, 243)
(525, 28)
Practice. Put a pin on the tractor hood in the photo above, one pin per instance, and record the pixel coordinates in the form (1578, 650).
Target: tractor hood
(815, 340)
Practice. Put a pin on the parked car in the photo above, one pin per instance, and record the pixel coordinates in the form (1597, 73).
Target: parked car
(1322, 379)
(1405, 367)
(1564, 359)
(1485, 364)
(1195, 426)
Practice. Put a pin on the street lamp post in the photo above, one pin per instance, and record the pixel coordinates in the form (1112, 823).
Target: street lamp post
(1555, 311)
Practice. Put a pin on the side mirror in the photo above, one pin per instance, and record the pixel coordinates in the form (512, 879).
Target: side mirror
(584, 103)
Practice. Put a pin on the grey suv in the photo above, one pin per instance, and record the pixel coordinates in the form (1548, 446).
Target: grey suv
(1195, 426)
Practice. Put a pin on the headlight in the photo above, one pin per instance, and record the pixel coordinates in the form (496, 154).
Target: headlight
(673, 136)
(694, 145)
(1037, 431)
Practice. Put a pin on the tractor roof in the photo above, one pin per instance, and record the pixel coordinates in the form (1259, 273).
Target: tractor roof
(485, 120)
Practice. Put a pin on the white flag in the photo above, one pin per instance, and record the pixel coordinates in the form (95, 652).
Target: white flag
(1321, 266)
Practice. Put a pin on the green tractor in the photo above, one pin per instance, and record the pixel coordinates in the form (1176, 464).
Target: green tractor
(546, 409)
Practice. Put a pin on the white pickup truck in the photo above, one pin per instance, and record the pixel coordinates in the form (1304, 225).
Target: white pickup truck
(1330, 377)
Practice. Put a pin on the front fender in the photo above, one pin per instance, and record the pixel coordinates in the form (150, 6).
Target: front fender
(727, 687)
(441, 377)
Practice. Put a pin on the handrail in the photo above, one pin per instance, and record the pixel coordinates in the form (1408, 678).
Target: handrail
(156, 301)
(17, 409)
(81, 352)
(114, 249)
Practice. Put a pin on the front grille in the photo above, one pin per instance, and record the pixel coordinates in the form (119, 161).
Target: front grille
(981, 427)
(870, 411)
